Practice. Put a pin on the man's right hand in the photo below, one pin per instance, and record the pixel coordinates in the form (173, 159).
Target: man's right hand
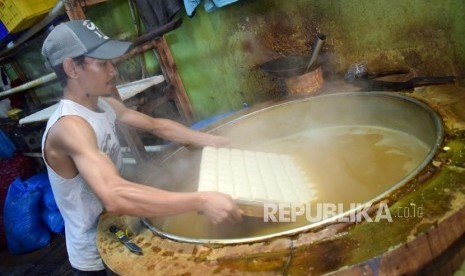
(219, 207)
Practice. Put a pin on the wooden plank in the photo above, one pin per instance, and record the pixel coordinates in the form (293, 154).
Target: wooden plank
(93, 2)
(132, 139)
(171, 75)
(74, 9)
(134, 143)
(126, 91)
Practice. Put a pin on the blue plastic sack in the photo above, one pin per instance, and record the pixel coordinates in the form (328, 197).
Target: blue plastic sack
(24, 229)
(53, 220)
(41, 179)
(7, 148)
(48, 200)
(210, 120)
(50, 214)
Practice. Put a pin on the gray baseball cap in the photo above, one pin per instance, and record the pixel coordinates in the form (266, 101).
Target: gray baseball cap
(81, 37)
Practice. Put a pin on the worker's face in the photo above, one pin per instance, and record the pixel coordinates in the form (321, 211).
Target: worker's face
(97, 77)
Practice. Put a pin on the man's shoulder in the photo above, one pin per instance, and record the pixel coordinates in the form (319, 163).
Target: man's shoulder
(70, 132)
(70, 124)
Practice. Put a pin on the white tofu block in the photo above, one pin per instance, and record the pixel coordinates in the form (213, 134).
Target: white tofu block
(254, 177)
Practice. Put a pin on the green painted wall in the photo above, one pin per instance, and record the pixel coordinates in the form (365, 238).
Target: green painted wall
(457, 15)
(218, 54)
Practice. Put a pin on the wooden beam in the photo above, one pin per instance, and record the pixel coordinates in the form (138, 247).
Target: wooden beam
(130, 136)
(74, 9)
(93, 2)
(172, 76)
(135, 51)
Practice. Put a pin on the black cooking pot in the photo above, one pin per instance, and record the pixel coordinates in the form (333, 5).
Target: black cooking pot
(288, 66)
(295, 65)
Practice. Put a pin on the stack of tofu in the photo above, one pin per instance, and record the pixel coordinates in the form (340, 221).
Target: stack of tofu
(254, 178)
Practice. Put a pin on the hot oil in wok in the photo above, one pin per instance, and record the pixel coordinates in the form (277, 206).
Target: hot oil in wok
(346, 164)
(353, 164)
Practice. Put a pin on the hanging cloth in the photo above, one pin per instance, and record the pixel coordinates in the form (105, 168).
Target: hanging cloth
(209, 5)
(156, 13)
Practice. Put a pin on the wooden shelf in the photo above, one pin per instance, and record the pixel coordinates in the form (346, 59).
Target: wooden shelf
(126, 91)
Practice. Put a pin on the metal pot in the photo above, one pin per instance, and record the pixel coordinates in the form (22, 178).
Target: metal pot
(295, 65)
(286, 67)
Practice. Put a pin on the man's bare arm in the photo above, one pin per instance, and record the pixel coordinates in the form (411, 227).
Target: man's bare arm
(165, 128)
(74, 137)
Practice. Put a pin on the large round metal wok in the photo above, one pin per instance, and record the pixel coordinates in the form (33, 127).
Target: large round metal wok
(403, 114)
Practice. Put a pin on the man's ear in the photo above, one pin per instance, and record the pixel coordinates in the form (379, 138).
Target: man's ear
(69, 66)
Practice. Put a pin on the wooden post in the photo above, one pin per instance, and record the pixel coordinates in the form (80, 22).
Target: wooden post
(74, 9)
(132, 139)
(171, 75)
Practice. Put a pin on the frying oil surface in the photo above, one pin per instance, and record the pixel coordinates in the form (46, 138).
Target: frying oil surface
(352, 164)
(346, 164)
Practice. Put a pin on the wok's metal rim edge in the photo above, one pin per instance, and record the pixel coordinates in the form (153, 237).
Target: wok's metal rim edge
(436, 119)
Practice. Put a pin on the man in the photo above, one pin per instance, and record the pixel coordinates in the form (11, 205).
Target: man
(82, 153)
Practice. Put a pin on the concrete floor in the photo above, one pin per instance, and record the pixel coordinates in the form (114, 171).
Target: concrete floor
(51, 260)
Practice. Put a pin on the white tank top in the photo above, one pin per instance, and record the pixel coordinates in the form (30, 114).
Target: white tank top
(77, 203)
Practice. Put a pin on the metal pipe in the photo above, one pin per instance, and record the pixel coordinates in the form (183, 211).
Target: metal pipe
(28, 85)
(317, 43)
